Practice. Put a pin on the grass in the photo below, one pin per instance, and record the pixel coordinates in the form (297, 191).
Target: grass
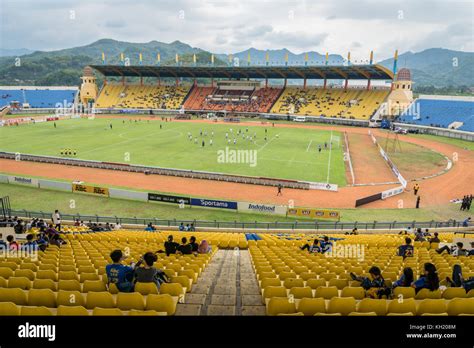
(287, 154)
(468, 145)
(23, 197)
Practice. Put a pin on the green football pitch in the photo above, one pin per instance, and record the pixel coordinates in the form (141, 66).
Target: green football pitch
(287, 153)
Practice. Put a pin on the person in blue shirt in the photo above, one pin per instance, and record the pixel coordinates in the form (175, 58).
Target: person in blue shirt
(326, 245)
(406, 279)
(429, 280)
(471, 252)
(466, 222)
(30, 244)
(181, 227)
(315, 248)
(119, 274)
(406, 250)
(150, 228)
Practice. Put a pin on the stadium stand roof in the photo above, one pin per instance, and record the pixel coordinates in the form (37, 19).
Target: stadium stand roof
(351, 72)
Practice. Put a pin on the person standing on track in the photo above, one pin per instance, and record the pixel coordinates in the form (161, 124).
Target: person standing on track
(110, 125)
(279, 193)
(418, 202)
(416, 188)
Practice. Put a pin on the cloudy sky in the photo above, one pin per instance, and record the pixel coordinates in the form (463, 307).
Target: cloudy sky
(228, 26)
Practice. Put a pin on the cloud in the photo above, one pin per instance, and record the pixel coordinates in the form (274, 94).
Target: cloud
(225, 26)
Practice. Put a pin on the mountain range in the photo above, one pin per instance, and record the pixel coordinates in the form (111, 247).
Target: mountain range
(432, 67)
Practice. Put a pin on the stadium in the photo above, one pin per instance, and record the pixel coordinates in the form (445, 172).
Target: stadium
(200, 187)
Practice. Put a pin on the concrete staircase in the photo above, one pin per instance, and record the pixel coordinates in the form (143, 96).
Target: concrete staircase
(228, 286)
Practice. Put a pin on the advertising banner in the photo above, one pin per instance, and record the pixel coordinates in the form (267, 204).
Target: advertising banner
(102, 191)
(314, 213)
(212, 203)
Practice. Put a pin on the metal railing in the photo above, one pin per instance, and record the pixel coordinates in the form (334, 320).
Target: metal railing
(291, 225)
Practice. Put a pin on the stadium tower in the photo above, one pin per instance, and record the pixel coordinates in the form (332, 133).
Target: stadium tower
(401, 96)
(89, 90)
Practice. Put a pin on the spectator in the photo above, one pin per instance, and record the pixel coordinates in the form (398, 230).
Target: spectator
(204, 248)
(56, 240)
(466, 222)
(170, 246)
(326, 245)
(315, 248)
(187, 227)
(459, 281)
(375, 286)
(181, 227)
(148, 273)
(56, 219)
(406, 279)
(119, 274)
(42, 241)
(354, 231)
(184, 248)
(19, 228)
(30, 244)
(107, 227)
(3, 245)
(471, 252)
(12, 245)
(406, 250)
(429, 280)
(192, 228)
(455, 250)
(194, 245)
(434, 239)
(419, 237)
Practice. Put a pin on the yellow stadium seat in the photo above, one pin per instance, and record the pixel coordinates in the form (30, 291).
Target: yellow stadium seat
(42, 297)
(315, 283)
(274, 291)
(67, 268)
(113, 288)
(459, 306)
(378, 306)
(403, 292)
(406, 305)
(69, 285)
(301, 292)
(426, 293)
(451, 293)
(311, 306)
(9, 308)
(356, 292)
(146, 288)
(46, 274)
(135, 312)
(28, 273)
(93, 285)
(8, 264)
(338, 283)
(293, 282)
(86, 269)
(88, 276)
(286, 275)
(173, 289)
(343, 305)
(279, 305)
(16, 296)
(132, 300)
(72, 311)
(161, 303)
(70, 298)
(183, 280)
(30, 266)
(6, 272)
(19, 282)
(106, 311)
(99, 299)
(328, 276)
(35, 311)
(326, 292)
(362, 314)
(270, 282)
(44, 284)
(3, 283)
(68, 275)
(431, 306)
(47, 267)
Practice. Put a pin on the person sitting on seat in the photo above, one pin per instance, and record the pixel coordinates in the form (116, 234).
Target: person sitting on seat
(406, 279)
(429, 280)
(419, 237)
(458, 280)
(204, 248)
(170, 246)
(148, 273)
(119, 274)
(184, 248)
(194, 245)
(181, 227)
(455, 250)
(375, 285)
(315, 248)
(12, 244)
(30, 244)
(406, 250)
(150, 228)
(326, 245)
(471, 252)
(434, 239)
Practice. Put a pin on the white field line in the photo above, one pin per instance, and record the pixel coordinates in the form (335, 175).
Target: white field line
(309, 145)
(329, 160)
